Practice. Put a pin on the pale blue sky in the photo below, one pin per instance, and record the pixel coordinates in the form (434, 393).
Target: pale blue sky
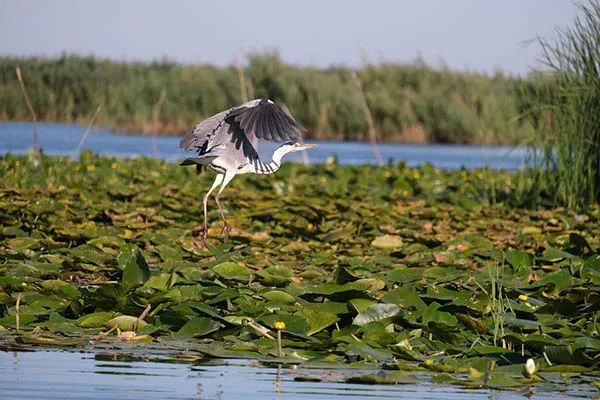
(477, 35)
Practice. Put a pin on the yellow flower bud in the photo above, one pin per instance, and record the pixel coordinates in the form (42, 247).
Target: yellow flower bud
(523, 297)
(279, 325)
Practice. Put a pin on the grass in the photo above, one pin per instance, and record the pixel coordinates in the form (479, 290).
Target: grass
(566, 147)
(427, 275)
(413, 102)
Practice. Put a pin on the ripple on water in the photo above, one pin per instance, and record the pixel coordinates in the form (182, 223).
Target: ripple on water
(63, 375)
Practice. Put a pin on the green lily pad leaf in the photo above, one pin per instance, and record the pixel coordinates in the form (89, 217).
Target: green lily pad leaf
(519, 259)
(198, 326)
(205, 309)
(219, 350)
(276, 275)
(61, 288)
(361, 305)
(318, 320)
(343, 275)
(96, 320)
(563, 355)
(57, 323)
(125, 323)
(232, 271)
(293, 323)
(559, 280)
(591, 269)
(392, 378)
(368, 352)
(587, 343)
(501, 380)
(405, 297)
(489, 350)
(405, 275)
(112, 296)
(432, 315)
(573, 369)
(11, 320)
(553, 254)
(387, 242)
(376, 312)
(278, 296)
(135, 269)
(331, 307)
(161, 281)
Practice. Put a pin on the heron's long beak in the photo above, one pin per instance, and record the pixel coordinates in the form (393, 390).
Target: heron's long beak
(308, 145)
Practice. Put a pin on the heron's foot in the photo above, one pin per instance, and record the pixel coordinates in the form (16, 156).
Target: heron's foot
(225, 232)
(200, 236)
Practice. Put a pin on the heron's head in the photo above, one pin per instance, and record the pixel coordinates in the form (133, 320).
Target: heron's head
(289, 147)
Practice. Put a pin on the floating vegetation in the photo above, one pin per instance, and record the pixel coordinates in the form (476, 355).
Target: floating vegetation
(406, 269)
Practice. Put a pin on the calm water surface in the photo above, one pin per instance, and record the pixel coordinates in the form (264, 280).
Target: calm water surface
(62, 139)
(62, 375)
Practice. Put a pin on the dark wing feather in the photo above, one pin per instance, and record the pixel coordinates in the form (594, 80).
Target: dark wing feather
(268, 121)
(241, 142)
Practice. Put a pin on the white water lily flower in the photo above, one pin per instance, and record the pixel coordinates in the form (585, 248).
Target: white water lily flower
(530, 368)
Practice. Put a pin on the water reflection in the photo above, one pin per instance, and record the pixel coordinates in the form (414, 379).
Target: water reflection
(57, 375)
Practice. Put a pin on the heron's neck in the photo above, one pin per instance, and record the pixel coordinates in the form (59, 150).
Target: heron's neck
(274, 165)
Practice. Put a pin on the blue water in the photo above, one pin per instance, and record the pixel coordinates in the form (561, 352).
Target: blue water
(105, 375)
(62, 139)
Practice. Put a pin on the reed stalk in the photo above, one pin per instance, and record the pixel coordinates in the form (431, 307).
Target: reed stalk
(156, 120)
(36, 140)
(369, 117)
(87, 130)
(242, 80)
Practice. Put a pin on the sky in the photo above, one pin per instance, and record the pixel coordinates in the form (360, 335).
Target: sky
(472, 35)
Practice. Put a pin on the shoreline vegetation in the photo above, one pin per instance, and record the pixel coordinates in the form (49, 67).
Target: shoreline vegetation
(413, 103)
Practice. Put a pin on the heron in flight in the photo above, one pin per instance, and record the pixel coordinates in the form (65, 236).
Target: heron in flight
(227, 144)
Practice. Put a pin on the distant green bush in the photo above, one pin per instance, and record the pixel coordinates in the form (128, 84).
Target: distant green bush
(409, 102)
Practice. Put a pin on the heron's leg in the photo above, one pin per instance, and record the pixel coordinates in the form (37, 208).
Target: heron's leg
(228, 177)
(217, 182)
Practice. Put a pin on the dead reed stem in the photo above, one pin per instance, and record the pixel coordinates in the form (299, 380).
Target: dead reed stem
(17, 318)
(36, 141)
(242, 78)
(260, 329)
(143, 315)
(368, 116)
(279, 347)
(87, 130)
(156, 118)
(99, 337)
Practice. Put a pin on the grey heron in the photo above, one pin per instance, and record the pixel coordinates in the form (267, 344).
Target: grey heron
(227, 144)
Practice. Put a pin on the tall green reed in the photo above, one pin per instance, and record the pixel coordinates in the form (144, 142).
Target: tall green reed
(566, 111)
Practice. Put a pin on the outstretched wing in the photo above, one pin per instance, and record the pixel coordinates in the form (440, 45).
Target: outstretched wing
(200, 136)
(266, 120)
(241, 127)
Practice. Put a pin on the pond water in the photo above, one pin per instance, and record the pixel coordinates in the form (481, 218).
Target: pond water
(17, 138)
(106, 375)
